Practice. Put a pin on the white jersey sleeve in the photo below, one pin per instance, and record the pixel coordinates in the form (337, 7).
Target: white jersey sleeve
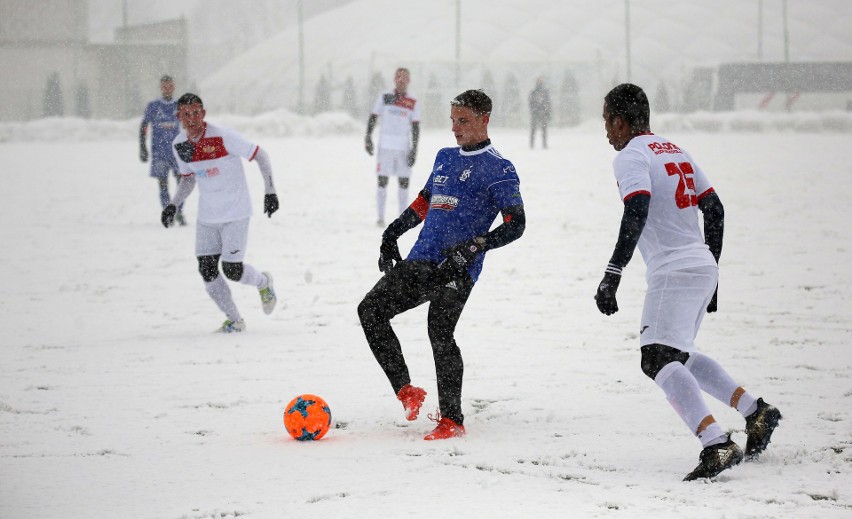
(632, 172)
(415, 113)
(378, 106)
(239, 145)
(703, 187)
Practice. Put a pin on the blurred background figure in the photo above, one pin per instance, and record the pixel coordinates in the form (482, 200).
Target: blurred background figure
(398, 139)
(540, 110)
(161, 114)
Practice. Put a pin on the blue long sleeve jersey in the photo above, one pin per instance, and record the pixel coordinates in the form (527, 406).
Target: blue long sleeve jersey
(162, 116)
(468, 190)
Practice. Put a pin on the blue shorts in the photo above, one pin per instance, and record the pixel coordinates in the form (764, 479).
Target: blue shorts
(160, 166)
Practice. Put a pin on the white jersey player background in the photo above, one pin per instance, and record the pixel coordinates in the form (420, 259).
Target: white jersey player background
(398, 114)
(396, 111)
(211, 156)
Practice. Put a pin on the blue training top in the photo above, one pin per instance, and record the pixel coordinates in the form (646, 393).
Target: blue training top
(468, 190)
(162, 115)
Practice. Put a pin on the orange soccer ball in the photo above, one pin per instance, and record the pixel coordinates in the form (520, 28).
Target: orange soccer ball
(307, 417)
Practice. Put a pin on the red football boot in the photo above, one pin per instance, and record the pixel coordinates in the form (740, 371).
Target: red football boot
(412, 398)
(446, 429)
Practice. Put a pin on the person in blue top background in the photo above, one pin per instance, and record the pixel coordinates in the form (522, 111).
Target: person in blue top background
(468, 187)
(161, 114)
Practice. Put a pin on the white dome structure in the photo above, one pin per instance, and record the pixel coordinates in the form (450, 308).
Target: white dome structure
(584, 39)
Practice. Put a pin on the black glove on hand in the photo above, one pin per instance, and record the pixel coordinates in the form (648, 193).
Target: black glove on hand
(412, 156)
(168, 216)
(388, 253)
(712, 307)
(459, 258)
(605, 298)
(270, 204)
(368, 144)
(143, 154)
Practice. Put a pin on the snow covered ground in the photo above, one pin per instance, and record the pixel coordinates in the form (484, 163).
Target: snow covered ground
(116, 401)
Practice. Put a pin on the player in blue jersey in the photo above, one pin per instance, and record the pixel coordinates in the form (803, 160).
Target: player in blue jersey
(161, 114)
(468, 187)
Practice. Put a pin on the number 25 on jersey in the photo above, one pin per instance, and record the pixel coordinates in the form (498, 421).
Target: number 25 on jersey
(685, 193)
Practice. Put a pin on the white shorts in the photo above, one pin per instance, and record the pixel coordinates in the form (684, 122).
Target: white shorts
(675, 304)
(228, 239)
(392, 163)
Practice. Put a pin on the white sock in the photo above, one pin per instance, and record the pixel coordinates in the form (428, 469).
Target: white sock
(713, 379)
(744, 409)
(220, 293)
(381, 198)
(684, 394)
(403, 199)
(253, 277)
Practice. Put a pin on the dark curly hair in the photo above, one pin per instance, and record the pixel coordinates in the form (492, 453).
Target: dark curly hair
(630, 103)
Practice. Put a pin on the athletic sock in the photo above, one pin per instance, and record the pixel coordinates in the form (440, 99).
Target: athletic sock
(713, 379)
(746, 410)
(220, 293)
(403, 199)
(684, 395)
(381, 199)
(164, 191)
(253, 277)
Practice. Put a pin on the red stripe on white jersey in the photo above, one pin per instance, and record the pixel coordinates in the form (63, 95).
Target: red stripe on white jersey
(704, 194)
(631, 195)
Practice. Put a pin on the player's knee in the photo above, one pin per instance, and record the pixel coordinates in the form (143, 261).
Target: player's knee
(369, 313)
(233, 271)
(441, 333)
(382, 181)
(656, 356)
(208, 267)
(365, 311)
(403, 183)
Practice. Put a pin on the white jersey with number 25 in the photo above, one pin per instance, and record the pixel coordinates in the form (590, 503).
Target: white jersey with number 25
(672, 238)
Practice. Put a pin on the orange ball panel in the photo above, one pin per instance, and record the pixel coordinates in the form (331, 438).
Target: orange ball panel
(307, 417)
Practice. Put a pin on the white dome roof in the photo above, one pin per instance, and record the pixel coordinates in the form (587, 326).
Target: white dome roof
(530, 38)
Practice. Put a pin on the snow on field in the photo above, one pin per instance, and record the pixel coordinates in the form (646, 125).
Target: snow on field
(117, 401)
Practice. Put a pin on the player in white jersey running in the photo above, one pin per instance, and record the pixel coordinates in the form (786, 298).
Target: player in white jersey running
(663, 189)
(211, 156)
(400, 132)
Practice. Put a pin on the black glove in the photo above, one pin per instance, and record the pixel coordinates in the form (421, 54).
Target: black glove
(143, 154)
(712, 307)
(605, 298)
(368, 144)
(412, 156)
(459, 258)
(388, 253)
(270, 204)
(168, 216)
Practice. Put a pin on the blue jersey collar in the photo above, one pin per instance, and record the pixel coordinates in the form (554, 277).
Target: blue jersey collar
(476, 148)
